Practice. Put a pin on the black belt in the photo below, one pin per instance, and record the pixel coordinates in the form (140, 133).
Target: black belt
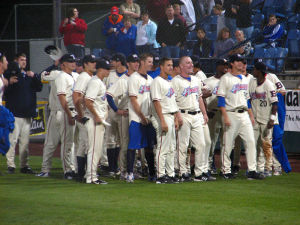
(172, 113)
(241, 110)
(71, 109)
(190, 112)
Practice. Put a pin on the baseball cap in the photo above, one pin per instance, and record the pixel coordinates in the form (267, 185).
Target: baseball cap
(119, 57)
(88, 58)
(114, 10)
(103, 64)
(260, 66)
(133, 58)
(156, 59)
(221, 62)
(68, 58)
(236, 57)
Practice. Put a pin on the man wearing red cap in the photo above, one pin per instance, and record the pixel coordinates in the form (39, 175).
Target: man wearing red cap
(111, 27)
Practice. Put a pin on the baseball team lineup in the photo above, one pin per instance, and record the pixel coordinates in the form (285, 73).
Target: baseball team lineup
(161, 111)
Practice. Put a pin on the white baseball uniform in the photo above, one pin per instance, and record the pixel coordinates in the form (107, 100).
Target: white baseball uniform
(1, 87)
(187, 92)
(262, 96)
(80, 87)
(162, 91)
(119, 91)
(236, 93)
(64, 86)
(201, 75)
(96, 92)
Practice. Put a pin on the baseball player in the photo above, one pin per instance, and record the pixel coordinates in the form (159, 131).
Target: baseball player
(64, 86)
(89, 68)
(141, 131)
(233, 94)
(96, 104)
(214, 115)
(190, 103)
(166, 109)
(238, 141)
(264, 106)
(119, 91)
(112, 134)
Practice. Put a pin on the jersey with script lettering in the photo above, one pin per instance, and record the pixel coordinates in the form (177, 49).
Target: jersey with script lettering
(235, 91)
(96, 92)
(65, 85)
(201, 75)
(262, 96)
(274, 79)
(119, 91)
(162, 91)
(54, 104)
(187, 92)
(139, 86)
(212, 84)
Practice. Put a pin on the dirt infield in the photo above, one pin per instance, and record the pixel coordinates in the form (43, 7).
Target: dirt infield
(36, 149)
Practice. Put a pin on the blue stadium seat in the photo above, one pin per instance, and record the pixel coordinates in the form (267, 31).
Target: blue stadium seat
(257, 20)
(293, 21)
(293, 43)
(211, 35)
(275, 58)
(289, 5)
(192, 35)
(281, 54)
(257, 4)
(259, 53)
(268, 3)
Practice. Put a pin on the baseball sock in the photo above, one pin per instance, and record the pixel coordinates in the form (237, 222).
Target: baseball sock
(130, 160)
(110, 158)
(150, 161)
(81, 166)
(116, 157)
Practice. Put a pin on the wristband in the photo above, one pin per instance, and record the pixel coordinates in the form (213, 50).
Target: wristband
(272, 117)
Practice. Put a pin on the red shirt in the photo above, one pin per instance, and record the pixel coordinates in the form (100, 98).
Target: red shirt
(74, 34)
(157, 9)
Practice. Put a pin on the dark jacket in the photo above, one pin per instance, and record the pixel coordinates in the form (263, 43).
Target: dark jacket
(112, 38)
(20, 97)
(227, 5)
(126, 41)
(203, 48)
(170, 34)
(243, 17)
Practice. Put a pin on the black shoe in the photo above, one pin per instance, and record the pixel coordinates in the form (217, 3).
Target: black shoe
(27, 170)
(175, 180)
(252, 175)
(235, 170)
(68, 176)
(99, 182)
(10, 170)
(185, 178)
(209, 177)
(228, 176)
(161, 180)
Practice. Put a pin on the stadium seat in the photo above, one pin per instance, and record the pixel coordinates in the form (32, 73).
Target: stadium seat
(257, 20)
(280, 58)
(270, 54)
(211, 35)
(289, 5)
(275, 58)
(257, 4)
(293, 21)
(192, 35)
(293, 43)
(259, 53)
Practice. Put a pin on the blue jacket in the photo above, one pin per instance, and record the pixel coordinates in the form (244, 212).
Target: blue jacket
(6, 126)
(126, 41)
(272, 33)
(151, 29)
(112, 38)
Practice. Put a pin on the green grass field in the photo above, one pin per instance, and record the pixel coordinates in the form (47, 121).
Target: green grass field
(26, 199)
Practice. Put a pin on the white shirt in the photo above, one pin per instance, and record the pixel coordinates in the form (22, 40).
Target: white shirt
(262, 97)
(187, 92)
(119, 91)
(111, 79)
(235, 91)
(65, 85)
(141, 35)
(201, 75)
(162, 91)
(212, 83)
(139, 87)
(1, 87)
(274, 79)
(54, 104)
(96, 92)
(188, 12)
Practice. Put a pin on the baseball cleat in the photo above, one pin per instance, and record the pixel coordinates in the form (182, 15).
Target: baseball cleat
(27, 170)
(267, 173)
(175, 180)
(99, 182)
(10, 170)
(277, 173)
(253, 175)
(228, 176)
(130, 178)
(68, 176)
(161, 180)
(185, 178)
(42, 174)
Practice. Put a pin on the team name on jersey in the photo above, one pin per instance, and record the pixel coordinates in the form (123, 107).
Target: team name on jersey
(239, 87)
(144, 88)
(103, 98)
(190, 90)
(170, 93)
(256, 95)
(215, 91)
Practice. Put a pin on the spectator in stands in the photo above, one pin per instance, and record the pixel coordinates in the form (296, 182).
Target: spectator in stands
(127, 38)
(205, 7)
(20, 96)
(224, 42)
(74, 30)
(230, 16)
(203, 47)
(243, 13)
(244, 50)
(218, 11)
(131, 10)
(272, 32)
(188, 12)
(146, 34)
(170, 34)
(177, 13)
(111, 28)
(156, 9)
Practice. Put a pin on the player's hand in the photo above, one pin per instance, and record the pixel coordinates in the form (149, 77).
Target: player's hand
(227, 122)
(71, 121)
(122, 112)
(97, 120)
(30, 73)
(145, 121)
(164, 126)
(206, 93)
(270, 124)
(180, 121)
(205, 117)
(13, 79)
(176, 124)
(210, 115)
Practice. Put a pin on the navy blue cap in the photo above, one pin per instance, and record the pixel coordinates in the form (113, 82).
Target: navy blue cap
(103, 64)
(236, 57)
(89, 58)
(133, 58)
(68, 58)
